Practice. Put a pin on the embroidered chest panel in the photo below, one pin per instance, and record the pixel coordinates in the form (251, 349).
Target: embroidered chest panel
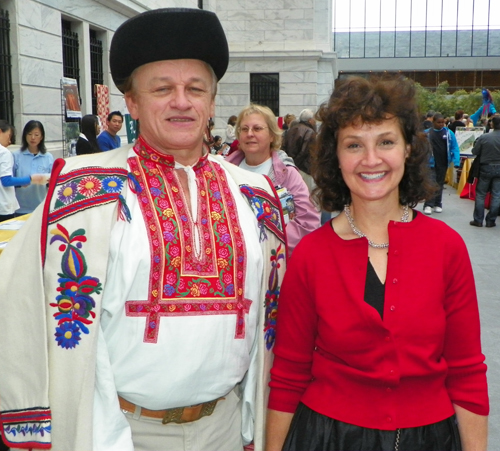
(197, 267)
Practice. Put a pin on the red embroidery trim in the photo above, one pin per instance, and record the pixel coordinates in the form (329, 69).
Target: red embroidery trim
(183, 283)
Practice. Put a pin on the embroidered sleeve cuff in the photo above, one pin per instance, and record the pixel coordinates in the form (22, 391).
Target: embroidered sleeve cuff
(27, 428)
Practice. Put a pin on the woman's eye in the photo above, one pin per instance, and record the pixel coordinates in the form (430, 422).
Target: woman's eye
(387, 142)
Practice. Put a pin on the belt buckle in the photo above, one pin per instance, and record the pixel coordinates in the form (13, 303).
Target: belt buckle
(173, 415)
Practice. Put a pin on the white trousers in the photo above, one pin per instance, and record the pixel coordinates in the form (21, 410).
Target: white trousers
(220, 431)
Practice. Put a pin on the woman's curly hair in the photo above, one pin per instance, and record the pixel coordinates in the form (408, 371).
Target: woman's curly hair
(356, 100)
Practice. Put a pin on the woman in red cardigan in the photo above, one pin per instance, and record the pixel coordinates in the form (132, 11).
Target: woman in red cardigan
(378, 339)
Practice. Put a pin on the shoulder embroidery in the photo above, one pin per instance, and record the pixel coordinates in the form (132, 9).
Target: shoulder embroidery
(75, 302)
(267, 210)
(272, 295)
(85, 188)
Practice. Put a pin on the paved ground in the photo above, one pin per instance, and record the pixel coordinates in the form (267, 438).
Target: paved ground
(484, 250)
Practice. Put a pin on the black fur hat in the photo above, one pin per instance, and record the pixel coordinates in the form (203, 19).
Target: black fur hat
(168, 34)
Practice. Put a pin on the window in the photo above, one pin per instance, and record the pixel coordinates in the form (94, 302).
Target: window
(71, 67)
(6, 93)
(96, 70)
(264, 90)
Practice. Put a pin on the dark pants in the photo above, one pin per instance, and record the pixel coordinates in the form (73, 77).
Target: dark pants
(438, 174)
(489, 176)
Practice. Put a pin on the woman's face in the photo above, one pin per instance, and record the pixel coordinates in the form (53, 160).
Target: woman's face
(97, 128)
(34, 137)
(5, 137)
(372, 159)
(255, 139)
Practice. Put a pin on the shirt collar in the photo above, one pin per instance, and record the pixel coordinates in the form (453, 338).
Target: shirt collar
(144, 150)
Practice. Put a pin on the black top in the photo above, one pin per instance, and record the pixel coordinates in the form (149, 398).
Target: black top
(453, 126)
(84, 147)
(439, 143)
(374, 290)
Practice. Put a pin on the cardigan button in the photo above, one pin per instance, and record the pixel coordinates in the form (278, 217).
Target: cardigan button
(396, 252)
(387, 338)
(393, 307)
(388, 419)
(388, 389)
(391, 372)
(394, 280)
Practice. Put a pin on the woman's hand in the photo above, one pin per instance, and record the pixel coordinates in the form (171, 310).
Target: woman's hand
(473, 429)
(277, 426)
(40, 179)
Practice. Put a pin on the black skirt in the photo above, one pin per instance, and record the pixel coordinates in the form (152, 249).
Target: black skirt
(312, 431)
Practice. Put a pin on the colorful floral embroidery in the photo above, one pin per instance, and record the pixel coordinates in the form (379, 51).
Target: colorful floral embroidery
(271, 299)
(197, 267)
(75, 303)
(85, 188)
(267, 210)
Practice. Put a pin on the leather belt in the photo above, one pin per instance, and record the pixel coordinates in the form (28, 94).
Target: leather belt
(175, 415)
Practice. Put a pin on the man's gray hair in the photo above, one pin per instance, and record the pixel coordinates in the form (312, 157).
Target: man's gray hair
(306, 115)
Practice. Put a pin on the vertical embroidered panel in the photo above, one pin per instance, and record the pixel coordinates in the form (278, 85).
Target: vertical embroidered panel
(187, 277)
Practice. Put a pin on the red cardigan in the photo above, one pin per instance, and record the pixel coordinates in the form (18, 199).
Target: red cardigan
(335, 354)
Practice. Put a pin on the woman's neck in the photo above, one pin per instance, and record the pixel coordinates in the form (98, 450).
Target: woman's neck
(33, 150)
(375, 215)
(256, 160)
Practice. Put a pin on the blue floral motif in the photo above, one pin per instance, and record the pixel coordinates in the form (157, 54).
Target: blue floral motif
(75, 302)
(169, 290)
(230, 289)
(226, 238)
(217, 195)
(67, 192)
(112, 184)
(155, 191)
(67, 335)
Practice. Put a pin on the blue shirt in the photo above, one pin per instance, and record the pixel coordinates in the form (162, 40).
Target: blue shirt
(26, 164)
(107, 141)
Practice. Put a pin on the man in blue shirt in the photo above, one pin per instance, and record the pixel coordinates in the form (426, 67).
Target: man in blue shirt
(108, 139)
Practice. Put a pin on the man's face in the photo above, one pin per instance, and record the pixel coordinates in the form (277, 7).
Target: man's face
(173, 101)
(438, 124)
(115, 124)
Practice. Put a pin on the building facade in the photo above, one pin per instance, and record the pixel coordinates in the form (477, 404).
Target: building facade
(280, 55)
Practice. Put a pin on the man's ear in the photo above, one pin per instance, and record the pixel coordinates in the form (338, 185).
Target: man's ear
(131, 105)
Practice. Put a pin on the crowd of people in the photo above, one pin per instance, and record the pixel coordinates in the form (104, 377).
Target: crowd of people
(184, 295)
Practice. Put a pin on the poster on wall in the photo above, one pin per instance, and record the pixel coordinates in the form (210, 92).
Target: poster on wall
(70, 93)
(466, 136)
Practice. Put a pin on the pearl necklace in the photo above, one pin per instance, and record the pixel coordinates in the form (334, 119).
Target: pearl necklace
(347, 211)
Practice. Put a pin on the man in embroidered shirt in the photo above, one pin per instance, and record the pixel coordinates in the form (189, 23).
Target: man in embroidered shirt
(109, 138)
(155, 330)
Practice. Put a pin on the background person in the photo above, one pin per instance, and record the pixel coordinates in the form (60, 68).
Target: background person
(31, 159)
(300, 140)
(109, 138)
(392, 359)
(487, 147)
(445, 151)
(8, 201)
(260, 143)
(87, 141)
(230, 130)
(458, 122)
